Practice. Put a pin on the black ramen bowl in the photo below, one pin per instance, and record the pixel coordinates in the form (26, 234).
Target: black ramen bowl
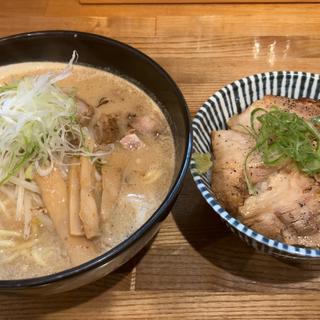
(117, 57)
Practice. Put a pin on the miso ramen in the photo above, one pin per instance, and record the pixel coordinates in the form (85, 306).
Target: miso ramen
(86, 157)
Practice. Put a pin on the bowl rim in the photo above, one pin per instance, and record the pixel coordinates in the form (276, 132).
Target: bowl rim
(280, 248)
(163, 208)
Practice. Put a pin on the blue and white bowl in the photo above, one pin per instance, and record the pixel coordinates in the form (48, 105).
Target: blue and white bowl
(214, 114)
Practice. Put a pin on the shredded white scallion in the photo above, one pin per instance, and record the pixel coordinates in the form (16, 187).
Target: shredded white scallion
(37, 121)
(20, 198)
(27, 216)
(25, 184)
(9, 233)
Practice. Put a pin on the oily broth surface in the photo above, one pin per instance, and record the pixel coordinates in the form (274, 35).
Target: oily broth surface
(138, 198)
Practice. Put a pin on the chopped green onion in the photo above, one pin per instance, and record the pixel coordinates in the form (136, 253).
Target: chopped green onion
(284, 136)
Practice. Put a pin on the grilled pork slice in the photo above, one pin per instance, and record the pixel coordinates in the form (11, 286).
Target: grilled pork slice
(105, 128)
(230, 149)
(146, 124)
(305, 108)
(286, 208)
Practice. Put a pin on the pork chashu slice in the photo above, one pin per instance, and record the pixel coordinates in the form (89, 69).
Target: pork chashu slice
(305, 108)
(228, 183)
(286, 207)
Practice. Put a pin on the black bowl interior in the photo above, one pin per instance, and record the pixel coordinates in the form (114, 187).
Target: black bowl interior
(101, 52)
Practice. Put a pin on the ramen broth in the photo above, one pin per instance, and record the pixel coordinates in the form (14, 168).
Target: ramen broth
(130, 181)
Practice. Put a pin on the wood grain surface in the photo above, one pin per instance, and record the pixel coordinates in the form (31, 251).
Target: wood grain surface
(188, 1)
(195, 268)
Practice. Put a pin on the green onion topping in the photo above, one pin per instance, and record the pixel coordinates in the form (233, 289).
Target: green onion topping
(282, 136)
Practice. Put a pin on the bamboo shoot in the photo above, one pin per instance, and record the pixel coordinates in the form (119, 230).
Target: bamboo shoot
(55, 197)
(76, 228)
(88, 206)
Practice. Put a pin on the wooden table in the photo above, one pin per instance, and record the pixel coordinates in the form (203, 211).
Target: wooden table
(195, 268)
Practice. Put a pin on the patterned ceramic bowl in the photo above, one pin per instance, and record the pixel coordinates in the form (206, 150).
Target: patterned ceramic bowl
(214, 114)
